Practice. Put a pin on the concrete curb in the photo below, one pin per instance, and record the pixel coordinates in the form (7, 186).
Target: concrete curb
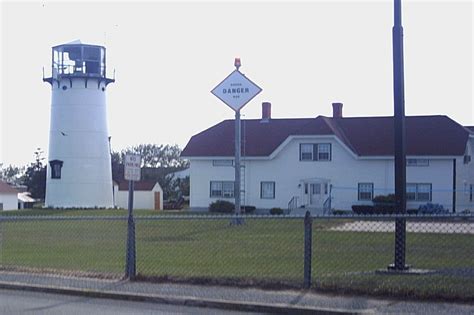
(182, 300)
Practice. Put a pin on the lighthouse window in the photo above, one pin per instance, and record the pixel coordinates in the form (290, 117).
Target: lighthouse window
(56, 166)
(64, 87)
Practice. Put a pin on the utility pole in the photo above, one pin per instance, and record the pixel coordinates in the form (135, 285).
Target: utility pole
(400, 136)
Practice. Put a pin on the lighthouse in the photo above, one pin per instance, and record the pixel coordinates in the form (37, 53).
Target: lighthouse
(79, 171)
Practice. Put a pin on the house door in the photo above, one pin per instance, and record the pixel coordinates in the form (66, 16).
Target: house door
(316, 197)
(157, 200)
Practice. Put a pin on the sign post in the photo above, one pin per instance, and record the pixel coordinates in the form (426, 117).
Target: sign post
(236, 91)
(132, 174)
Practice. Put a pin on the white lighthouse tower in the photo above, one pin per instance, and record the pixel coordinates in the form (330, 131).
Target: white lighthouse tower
(79, 168)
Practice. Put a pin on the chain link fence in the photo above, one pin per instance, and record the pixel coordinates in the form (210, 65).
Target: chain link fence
(335, 253)
(66, 245)
(353, 253)
(204, 249)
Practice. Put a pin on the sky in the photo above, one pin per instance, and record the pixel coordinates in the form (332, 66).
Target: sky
(168, 56)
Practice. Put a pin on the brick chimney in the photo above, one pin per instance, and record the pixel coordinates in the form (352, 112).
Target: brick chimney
(336, 110)
(266, 111)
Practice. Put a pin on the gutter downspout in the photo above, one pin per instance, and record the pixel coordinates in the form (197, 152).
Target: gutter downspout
(454, 185)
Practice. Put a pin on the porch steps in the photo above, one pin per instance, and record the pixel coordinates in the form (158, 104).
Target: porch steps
(302, 211)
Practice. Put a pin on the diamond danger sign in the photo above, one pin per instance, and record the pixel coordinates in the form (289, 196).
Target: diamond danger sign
(132, 167)
(236, 90)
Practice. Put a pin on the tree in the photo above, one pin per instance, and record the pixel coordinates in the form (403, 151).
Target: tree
(117, 165)
(183, 185)
(35, 176)
(157, 162)
(154, 155)
(169, 186)
(12, 174)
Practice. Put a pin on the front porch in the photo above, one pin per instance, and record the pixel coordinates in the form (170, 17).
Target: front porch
(314, 196)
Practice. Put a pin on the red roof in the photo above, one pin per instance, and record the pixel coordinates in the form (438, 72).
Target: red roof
(7, 189)
(143, 185)
(365, 136)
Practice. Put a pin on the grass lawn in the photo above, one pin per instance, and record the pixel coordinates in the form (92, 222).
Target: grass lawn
(261, 251)
(89, 212)
(345, 262)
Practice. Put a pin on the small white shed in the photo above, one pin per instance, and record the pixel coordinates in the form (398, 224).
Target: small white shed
(147, 195)
(8, 197)
(25, 201)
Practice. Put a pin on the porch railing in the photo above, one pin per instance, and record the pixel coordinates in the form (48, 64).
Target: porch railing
(292, 204)
(327, 205)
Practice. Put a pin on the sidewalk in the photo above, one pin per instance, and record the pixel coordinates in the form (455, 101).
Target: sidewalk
(255, 300)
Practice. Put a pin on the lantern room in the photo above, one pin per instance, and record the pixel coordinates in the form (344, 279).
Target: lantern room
(77, 59)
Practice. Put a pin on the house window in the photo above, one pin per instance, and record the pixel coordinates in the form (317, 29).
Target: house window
(418, 162)
(324, 152)
(56, 167)
(419, 192)
(222, 162)
(267, 190)
(222, 189)
(423, 192)
(306, 152)
(411, 192)
(316, 189)
(315, 152)
(228, 189)
(366, 191)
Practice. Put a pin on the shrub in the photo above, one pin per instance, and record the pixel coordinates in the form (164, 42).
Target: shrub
(384, 204)
(341, 212)
(276, 211)
(432, 208)
(248, 209)
(221, 206)
(363, 209)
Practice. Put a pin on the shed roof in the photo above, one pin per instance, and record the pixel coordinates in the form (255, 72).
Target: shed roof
(7, 189)
(25, 197)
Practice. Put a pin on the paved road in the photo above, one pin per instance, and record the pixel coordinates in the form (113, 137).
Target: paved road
(29, 302)
(24, 302)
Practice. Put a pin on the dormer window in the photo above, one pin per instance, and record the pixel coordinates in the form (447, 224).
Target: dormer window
(56, 166)
(324, 152)
(315, 152)
(306, 152)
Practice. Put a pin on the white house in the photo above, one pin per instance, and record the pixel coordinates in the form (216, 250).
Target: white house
(305, 161)
(147, 195)
(8, 197)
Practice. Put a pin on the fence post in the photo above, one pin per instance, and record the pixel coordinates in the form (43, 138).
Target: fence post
(308, 236)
